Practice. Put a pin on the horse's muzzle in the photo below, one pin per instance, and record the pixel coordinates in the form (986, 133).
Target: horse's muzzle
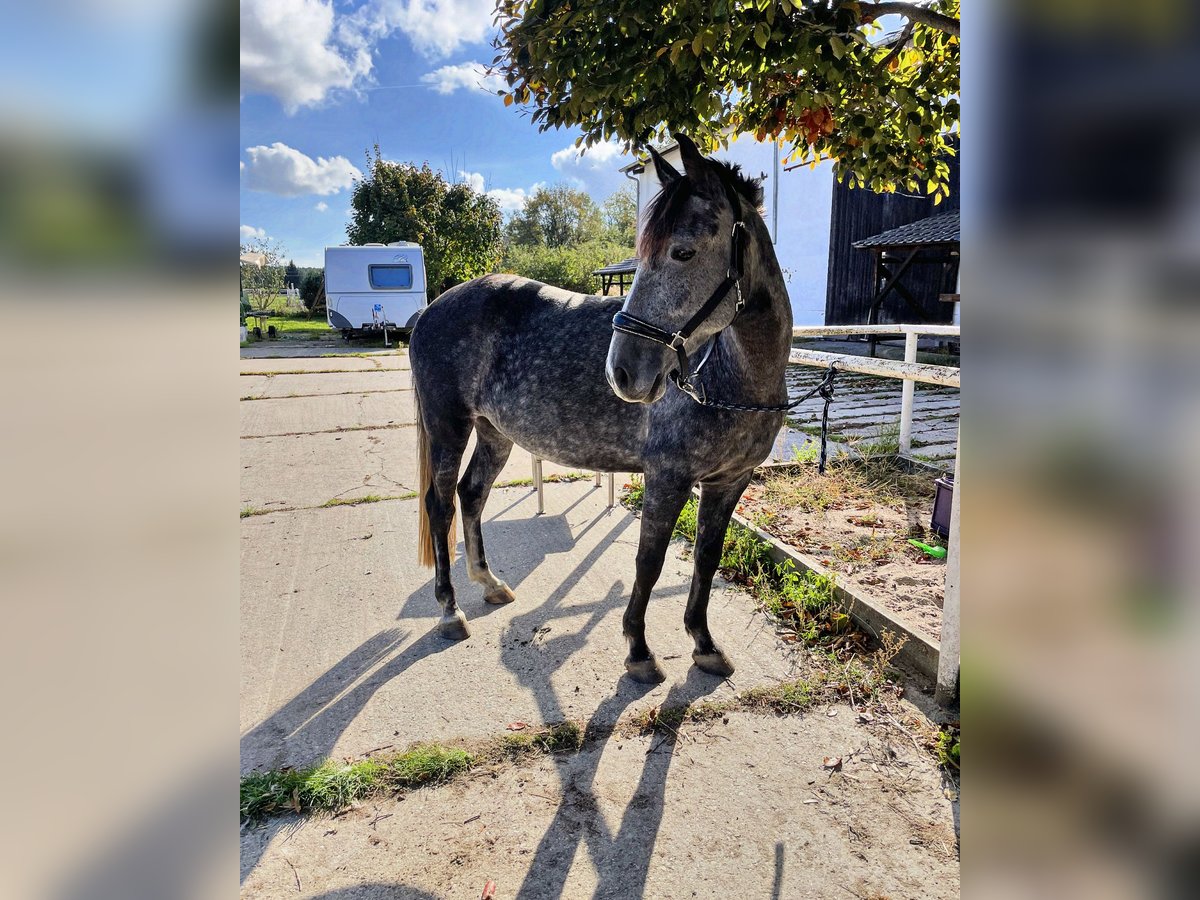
(634, 390)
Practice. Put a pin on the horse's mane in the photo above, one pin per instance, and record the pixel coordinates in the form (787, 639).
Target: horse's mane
(664, 210)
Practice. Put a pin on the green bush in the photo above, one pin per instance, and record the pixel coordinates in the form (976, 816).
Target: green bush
(565, 267)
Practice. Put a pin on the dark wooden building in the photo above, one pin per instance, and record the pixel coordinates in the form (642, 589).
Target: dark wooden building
(854, 279)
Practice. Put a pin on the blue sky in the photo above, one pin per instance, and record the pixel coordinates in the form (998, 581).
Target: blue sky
(323, 82)
(305, 129)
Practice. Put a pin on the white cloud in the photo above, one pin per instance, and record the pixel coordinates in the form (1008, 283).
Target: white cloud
(321, 206)
(284, 170)
(436, 28)
(289, 49)
(473, 180)
(595, 170)
(510, 199)
(598, 156)
(249, 232)
(470, 76)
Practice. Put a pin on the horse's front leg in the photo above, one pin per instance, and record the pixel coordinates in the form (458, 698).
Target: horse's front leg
(717, 502)
(666, 492)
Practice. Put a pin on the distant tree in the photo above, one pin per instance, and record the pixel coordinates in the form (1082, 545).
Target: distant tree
(262, 284)
(620, 217)
(458, 228)
(565, 267)
(821, 77)
(291, 275)
(557, 216)
(312, 289)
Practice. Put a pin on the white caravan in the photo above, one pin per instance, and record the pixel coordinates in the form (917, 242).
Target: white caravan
(374, 286)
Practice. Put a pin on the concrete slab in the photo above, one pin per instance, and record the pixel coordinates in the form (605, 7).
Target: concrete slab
(310, 469)
(305, 415)
(306, 385)
(733, 809)
(340, 652)
(388, 360)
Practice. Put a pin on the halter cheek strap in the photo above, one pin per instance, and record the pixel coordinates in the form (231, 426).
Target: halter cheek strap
(631, 324)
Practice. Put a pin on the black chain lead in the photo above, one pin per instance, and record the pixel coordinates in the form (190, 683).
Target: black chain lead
(824, 389)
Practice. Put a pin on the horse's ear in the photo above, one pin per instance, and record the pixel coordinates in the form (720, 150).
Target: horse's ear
(664, 170)
(694, 163)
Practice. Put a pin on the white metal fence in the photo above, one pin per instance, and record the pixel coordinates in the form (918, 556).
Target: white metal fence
(910, 372)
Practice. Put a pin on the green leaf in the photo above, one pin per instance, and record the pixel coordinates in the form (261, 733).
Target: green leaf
(837, 45)
(761, 35)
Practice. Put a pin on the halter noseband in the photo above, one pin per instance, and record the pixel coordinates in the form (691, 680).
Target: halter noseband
(630, 324)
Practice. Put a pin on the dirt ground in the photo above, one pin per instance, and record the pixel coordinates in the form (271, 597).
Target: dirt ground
(744, 807)
(857, 520)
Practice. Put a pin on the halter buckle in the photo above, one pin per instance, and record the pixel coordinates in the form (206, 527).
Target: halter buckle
(677, 341)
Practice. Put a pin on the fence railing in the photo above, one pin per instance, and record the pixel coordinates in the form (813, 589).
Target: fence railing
(910, 372)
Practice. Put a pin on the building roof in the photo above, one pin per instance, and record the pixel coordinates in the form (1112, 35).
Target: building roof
(936, 230)
(624, 267)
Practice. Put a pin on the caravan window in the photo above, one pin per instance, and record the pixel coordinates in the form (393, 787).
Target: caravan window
(391, 277)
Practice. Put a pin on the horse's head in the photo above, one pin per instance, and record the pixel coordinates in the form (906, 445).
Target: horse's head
(684, 252)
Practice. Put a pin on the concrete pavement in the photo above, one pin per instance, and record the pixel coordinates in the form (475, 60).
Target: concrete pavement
(340, 657)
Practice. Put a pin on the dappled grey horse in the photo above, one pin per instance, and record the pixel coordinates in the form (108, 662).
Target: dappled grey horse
(671, 384)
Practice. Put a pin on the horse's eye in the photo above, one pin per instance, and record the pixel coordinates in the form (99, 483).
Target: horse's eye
(683, 254)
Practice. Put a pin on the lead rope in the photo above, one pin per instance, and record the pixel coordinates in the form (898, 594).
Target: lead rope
(824, 389)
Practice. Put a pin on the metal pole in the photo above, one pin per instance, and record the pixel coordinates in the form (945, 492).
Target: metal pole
(907, 393)
(537, 483)
(612, 490)
(949, 657)
(597, 479)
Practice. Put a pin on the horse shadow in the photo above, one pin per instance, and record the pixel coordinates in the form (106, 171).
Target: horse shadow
(622, 860)
(515, 549)
(309, 725)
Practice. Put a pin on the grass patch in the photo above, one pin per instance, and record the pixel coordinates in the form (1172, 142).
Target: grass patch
(885, 441)
(564, 478)
(248, 511)
(332, 786)
(847, 482)
(947, 748)
(634, 495)
(368, 498)
(565, 737)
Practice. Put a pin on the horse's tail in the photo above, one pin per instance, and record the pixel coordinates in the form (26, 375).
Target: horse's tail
(425, 553)
(424, 482)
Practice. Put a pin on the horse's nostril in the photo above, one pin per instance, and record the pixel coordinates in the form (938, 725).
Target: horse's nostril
(620, 378)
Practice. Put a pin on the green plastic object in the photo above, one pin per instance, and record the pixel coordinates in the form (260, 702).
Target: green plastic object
(935, 552)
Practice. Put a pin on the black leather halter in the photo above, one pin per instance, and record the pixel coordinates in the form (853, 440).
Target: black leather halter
(683, 376)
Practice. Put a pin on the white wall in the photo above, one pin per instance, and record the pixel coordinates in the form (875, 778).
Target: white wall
(802, 235)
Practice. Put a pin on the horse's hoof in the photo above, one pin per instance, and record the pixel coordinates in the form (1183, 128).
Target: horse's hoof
(645, 671)
(499, 595)
(715, 663)
(454, 627)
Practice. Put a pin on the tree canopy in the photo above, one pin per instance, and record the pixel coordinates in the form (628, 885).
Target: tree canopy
(620, 216)
(458, 228)
(262, 285)
(820, 76)
(556, 216)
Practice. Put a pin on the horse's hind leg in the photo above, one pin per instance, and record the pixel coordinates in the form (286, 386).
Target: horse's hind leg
(491, 453)
(717, 502)
(447, 443)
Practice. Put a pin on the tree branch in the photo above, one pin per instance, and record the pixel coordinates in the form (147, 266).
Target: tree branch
(914, 12)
